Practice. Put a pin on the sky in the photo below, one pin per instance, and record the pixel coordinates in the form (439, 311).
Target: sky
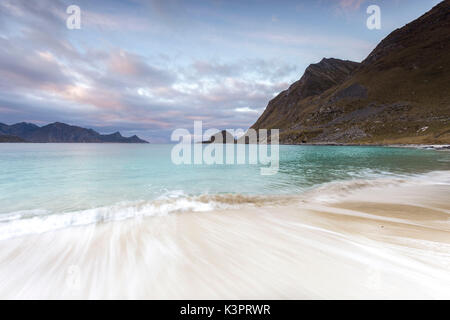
(150, 67)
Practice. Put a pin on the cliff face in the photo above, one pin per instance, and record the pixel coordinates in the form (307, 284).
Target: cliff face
(317, 79)
(61, 132)
(399, 94)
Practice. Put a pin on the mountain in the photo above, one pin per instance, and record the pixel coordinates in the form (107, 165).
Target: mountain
(61, 132)
(398, 94)
(22, 129)
(224, 137)
(8, 138)
(317, 79)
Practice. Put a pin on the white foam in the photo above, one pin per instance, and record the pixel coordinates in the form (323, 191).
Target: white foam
(337, 190)
(38, 221)
(20, 223)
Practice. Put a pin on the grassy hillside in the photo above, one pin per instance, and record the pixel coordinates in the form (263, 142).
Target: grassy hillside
(399, 94)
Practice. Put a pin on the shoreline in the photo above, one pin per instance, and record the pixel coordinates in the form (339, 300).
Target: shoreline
(368, 242)
(437, 147)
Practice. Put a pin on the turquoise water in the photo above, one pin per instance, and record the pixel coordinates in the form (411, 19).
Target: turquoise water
(58, 178)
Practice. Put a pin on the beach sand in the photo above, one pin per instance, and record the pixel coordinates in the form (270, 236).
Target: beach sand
(373, 241)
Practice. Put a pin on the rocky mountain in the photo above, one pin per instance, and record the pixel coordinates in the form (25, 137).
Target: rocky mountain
(398, 94)
(221, 137)
(61, 132)
(317, 78)
(22, 129)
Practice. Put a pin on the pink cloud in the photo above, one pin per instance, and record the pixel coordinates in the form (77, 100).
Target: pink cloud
(350, 4)
(123, 63)
(115, 22)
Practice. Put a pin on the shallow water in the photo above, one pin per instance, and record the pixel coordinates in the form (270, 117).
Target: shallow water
(370, 245)
(49, 186)
(335, 222)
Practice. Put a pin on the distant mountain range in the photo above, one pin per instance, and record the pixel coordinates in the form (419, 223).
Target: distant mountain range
(59, 132)
(399, 94)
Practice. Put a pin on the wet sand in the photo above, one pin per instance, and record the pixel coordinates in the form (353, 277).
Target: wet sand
(390, 242)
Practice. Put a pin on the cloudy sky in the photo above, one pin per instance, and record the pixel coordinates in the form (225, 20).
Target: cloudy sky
(149, 67)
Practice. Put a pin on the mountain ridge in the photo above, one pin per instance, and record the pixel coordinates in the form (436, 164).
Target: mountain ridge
(59, 132)
(398, 94)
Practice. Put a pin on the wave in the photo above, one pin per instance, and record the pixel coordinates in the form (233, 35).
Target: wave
(20, 223)
(337, 190)
(25, 222)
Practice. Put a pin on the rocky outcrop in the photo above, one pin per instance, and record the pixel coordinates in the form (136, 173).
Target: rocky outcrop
(61, 132)
(354, 91)
(399, 89)
(221, 137)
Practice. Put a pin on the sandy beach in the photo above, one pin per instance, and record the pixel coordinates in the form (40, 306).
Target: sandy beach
(369, 240)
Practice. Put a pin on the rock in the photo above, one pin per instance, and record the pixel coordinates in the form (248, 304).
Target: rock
(221, 137)
(354, 91)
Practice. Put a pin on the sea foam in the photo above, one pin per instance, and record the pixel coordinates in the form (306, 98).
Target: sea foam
(34, 221)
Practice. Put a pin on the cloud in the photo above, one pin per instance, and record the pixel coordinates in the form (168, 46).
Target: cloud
(48, 76)
(150, 67)
(350, 4)
(347, 8)
(45, 15)
(113, 22)
(312, 41)
(246, 110)
(135, 67)
(21, 68)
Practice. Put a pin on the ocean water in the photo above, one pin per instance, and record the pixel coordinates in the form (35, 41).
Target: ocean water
(51, 186)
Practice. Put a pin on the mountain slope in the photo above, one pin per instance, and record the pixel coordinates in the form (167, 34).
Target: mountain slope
(9, 138)
(398, 94)
(317, 78)
(61, 132)
(221, 137)
(23, 130)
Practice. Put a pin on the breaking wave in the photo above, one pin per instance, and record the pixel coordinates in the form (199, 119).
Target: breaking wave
(38, 221)
(20, 223)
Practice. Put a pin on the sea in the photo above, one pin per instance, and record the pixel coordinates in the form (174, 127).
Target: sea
(44, 187)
